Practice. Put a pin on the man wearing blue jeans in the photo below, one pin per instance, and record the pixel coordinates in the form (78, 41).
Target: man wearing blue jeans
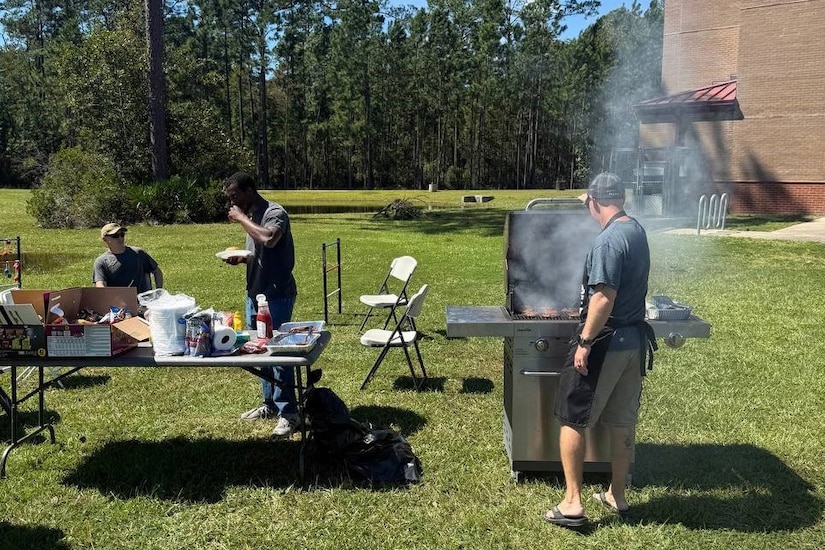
(268, 272)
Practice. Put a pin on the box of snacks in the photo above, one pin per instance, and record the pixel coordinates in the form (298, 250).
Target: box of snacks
(93, 322)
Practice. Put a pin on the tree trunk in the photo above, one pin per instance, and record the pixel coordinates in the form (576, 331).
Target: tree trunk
(368, 176)
(226, 73)
(263, 145)
(157, 90)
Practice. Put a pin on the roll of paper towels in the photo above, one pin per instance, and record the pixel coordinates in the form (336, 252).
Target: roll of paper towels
(223, 339)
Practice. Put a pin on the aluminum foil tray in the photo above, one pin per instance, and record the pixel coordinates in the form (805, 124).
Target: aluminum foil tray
(668, 314)
(666, 309)
(292, 343)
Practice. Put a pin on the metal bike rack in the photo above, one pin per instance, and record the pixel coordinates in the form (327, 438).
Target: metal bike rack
(713, 212)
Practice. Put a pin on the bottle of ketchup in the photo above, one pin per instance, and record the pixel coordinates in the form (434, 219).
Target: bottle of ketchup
(263, 321)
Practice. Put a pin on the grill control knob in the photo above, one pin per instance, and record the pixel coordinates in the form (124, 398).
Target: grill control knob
(674, 340)
(542, 344)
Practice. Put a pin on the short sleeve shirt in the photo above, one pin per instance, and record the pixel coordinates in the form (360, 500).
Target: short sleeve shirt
(269, 270)
(620, 259)
(132, 267)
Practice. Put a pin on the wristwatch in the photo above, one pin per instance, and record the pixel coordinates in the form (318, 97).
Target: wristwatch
(583, 342)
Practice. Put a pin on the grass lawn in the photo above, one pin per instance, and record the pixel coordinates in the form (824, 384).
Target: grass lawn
(730, 451)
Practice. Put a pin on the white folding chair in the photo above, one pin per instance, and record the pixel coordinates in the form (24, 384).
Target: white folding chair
(404, 335)
(402, 269)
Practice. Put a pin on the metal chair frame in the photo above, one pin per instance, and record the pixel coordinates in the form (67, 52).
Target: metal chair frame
(404, 335)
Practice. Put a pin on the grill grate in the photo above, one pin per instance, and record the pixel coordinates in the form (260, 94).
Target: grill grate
(547, 315)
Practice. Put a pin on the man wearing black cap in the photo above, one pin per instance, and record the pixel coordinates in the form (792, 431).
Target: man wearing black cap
(602, 378)
(123, 265)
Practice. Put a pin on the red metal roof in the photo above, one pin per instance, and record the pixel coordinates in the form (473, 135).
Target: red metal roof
(710, 102)
(716, 93)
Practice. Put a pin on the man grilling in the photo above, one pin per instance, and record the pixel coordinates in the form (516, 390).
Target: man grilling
(602, 377)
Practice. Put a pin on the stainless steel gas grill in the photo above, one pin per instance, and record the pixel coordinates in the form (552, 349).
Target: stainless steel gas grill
(544, 258)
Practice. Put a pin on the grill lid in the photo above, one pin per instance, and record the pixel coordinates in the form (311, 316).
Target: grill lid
(545, 251)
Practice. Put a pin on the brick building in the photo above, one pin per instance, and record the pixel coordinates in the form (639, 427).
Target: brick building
(746, 102)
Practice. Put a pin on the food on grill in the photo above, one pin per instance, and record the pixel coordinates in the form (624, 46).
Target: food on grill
(548, 313)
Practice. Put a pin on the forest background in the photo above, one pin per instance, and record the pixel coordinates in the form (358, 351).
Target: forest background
(353, 94)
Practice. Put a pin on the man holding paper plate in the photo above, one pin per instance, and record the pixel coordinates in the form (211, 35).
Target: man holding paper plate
(270, 258)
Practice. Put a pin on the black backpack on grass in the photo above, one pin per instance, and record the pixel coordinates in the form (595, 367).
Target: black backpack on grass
(368, 453)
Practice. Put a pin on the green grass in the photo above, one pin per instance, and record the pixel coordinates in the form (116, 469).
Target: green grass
(755, 222)
(729, 448)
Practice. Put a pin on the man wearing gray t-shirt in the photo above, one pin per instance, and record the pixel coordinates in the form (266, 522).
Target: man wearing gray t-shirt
(123, 265)
(269, 272)
(602, 378)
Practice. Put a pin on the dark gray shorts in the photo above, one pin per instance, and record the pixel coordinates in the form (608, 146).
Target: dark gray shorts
(618, 391)
(610, 392)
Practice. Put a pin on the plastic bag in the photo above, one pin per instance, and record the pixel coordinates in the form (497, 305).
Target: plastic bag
(166, 315)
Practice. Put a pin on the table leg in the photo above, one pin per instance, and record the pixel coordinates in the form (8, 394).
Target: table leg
(13, 404)
(299, 384)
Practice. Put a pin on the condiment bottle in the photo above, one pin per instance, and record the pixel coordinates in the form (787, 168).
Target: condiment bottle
(263, 321)
(237, 322)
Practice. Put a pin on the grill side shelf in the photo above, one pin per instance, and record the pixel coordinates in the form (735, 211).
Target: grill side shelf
(693, 327)
(464, 321)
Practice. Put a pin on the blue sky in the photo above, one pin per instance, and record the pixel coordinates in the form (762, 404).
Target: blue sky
(574, 24)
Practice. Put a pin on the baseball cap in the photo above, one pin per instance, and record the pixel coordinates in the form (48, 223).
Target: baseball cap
(111, 229)
(604, 186)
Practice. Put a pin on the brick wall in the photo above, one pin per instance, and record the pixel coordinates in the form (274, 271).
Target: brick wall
(776, 198)
(773, 159)
(701, 43)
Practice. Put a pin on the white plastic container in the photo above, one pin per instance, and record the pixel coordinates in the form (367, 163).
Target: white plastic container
(167, 326)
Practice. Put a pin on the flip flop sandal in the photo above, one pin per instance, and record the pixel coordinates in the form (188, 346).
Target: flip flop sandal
(555, 517)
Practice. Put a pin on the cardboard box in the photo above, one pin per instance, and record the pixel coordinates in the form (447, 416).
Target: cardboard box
(21, 331)
(90, 340)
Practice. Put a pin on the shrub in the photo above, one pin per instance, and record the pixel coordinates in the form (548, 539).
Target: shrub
(80, 189)
(178, 200)
(454, 178)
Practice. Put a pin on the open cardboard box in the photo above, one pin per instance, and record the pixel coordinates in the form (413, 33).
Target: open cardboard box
(85, 340)
(93, 340)
(21, 326)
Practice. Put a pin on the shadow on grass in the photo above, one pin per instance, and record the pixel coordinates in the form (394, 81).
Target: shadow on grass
(406, 383)
(186, 471)
(342, 319)
(408, 421)
(476, 385)
(27, 419)
(738, 487)
(763, 222)
(486, 222)
(83, 381)
(31, 537)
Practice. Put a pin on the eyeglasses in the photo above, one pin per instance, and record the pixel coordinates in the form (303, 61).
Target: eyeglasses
(118, 235)
(587, 201)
